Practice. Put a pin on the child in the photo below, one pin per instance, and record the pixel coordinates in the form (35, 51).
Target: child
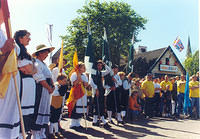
(56, 105)
(134, 107)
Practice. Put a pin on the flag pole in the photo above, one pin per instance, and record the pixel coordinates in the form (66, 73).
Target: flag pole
(17, 94)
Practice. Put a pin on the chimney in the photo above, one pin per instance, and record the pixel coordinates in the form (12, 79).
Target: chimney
(141, 49)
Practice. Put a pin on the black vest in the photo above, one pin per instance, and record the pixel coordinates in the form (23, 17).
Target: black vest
(98, 80)
(109, 81)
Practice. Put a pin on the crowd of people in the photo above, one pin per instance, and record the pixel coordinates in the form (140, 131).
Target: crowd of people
(106, 94)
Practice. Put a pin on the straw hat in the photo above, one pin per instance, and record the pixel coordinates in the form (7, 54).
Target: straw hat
(42, 47)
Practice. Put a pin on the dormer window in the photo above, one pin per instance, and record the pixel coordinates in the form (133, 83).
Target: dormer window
(167, 61)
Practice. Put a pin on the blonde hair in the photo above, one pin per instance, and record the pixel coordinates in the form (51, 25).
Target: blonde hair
(121, 73)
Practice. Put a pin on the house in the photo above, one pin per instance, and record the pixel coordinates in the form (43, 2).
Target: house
(160, 62)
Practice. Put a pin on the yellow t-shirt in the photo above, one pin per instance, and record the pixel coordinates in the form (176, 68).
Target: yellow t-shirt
(163, 85)
(195, 92)
(89, 92)
(181, 86)
(148, 86)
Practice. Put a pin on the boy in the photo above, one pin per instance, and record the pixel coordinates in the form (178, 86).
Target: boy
(56, 105)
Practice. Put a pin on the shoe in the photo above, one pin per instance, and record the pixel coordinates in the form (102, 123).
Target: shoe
(59, 135)
(123, 122)
(60, 129)
(106, 126)
(52, 136)
(95, 124)
(111, 122)
(119, 122)
(73, 127)
(80, 127)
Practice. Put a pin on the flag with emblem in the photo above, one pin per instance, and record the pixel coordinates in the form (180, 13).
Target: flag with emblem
(89, 58)
(178, 44)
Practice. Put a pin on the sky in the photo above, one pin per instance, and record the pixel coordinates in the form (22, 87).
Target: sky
(167, 19)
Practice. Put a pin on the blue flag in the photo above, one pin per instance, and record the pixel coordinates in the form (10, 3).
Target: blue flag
(187, 104)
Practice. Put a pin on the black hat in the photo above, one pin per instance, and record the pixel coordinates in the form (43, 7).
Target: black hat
(149, 74)
(114, 66)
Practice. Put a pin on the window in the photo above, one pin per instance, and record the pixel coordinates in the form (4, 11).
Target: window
(167, 61)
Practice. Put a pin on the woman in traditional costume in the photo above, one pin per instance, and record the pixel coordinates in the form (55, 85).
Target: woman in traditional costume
(44, 87)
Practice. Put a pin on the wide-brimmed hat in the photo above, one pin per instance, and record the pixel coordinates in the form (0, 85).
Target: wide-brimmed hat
(42, 47)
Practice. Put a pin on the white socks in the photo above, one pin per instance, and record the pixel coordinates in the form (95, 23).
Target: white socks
(75, 122)
(119, 117)
(78, 122)
(173, 107)
(123, 113)
(103, 120)
(109, 115)
(35, 134)
(95, 119)
(42, 133)
(53, 126)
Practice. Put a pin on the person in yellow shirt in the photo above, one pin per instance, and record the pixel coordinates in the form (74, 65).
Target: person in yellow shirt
(166, 88)
(148, 89)
(181, 90)
(194, 94)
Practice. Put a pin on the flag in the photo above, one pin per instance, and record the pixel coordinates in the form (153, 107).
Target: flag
(75, 59)
(77, 91)
(106, 59)
(60, 63)
(89, 58)
(186, 93)
(106, 51)
(10, 66)
(49, 36)
(178, 44)
(131, 57)
(49, 33)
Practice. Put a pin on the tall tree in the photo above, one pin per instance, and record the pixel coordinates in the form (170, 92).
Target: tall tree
(191, 64)
(119, 20)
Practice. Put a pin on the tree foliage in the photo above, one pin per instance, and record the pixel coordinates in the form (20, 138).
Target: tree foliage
(191, 64)
(119, 20)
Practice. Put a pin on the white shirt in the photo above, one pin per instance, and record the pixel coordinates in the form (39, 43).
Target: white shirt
(118, 80)
(55, 72)
(156, 85)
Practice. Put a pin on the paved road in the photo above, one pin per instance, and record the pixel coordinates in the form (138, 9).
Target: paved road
(155, 128)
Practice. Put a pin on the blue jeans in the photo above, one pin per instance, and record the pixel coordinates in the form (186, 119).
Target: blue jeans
(195, 103)
(180, 102)
(133, 113)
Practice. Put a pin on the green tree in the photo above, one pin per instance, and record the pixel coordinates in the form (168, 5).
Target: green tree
(191, 64)
(119, 20)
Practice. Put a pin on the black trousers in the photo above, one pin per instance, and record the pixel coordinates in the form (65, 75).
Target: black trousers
(99, 105)
(157, 102)
(124, 100)
(149, 106)
(113, 101)
(55, 114)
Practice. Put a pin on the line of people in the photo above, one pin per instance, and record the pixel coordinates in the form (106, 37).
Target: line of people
(42, 93)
